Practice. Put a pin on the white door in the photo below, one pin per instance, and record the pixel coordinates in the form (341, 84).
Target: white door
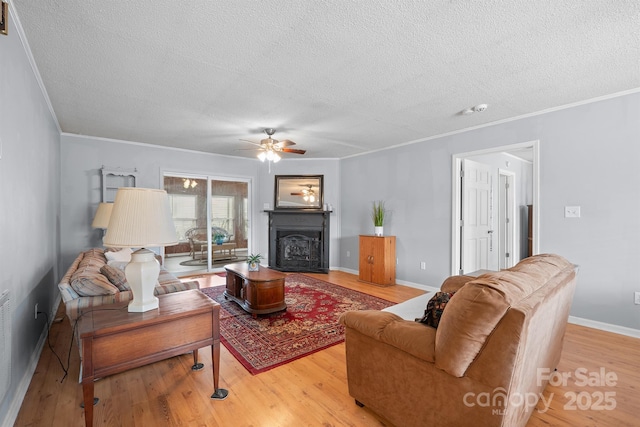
(476, 227)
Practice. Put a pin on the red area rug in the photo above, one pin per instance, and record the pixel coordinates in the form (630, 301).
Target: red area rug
(309, 324)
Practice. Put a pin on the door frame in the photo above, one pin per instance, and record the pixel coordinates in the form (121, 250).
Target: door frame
(211, 177)
(513, 238)
(456, 193)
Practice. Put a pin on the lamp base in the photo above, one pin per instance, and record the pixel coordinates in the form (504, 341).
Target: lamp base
(142, 275)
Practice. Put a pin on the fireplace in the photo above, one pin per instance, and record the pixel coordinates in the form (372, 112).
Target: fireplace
(299, 240)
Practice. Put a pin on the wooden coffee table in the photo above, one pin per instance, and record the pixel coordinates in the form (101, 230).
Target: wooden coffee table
(115, 340)
(257, 292)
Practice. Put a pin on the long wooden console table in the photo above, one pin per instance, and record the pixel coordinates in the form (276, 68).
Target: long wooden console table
(115, 340)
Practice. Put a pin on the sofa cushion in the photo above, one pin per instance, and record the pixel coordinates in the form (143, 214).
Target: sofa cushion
(116, 276)
(479, 306)
(435, 308)
(454, 283)
(87, 281)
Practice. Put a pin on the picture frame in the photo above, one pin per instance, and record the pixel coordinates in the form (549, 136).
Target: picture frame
(4, 18)
(299, 192)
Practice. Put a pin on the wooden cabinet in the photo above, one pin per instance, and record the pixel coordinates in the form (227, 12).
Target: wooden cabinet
(257, 292)
(378, 260)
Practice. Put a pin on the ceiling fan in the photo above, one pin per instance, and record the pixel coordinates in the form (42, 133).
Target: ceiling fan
(269, 147)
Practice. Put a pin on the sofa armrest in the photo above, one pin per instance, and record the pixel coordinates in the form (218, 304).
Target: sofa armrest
(454, 283)
(67, 293)
(176, 286)
(411, 337)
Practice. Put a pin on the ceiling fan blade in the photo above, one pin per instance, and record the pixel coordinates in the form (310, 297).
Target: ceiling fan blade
(293, 150)
(251, 142)
(286, 143)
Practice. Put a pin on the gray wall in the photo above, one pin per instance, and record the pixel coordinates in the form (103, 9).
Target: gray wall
(589, 157)
(82, 158)
(29, 214)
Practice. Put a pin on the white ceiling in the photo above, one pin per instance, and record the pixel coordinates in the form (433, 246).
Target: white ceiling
(339, 77)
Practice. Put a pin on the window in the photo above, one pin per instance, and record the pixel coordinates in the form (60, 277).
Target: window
(223, 213)
(183, 209)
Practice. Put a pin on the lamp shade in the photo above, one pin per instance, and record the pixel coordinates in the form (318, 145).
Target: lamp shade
(140, 218)
(103, 214)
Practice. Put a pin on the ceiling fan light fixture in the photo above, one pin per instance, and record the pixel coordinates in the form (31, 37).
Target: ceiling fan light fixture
(262, 156)
(276, 158)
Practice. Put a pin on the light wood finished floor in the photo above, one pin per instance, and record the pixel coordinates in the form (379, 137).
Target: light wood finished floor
(311, 391)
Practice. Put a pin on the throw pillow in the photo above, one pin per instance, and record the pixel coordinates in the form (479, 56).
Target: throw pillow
(115, 276)
(435, 308)
(123, 254)
(120, 265)
(91, 284)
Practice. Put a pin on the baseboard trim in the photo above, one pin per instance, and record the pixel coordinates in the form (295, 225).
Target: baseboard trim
(622, 330)
(21, 391)
(398, 282)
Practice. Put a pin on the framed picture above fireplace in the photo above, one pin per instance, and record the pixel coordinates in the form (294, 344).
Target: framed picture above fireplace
(299, 192)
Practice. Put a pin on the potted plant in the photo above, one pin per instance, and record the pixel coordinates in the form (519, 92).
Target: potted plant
(377, 214)
(219, 237)
(254, 262)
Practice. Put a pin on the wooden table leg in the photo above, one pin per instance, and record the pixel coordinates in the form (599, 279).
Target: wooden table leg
(218, 393)
(196, 365)
(87, 394)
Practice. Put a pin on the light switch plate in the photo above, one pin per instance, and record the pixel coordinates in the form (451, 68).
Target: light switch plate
(572, 211)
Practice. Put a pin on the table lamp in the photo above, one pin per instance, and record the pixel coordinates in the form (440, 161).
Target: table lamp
(103, 214)
(141, 218)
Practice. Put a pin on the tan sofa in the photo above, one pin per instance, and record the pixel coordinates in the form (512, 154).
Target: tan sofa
(88, 283)
(481, 365)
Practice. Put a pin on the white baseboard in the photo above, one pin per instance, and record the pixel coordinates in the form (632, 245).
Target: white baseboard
(21, 391)
(399, 282)
(622, 330)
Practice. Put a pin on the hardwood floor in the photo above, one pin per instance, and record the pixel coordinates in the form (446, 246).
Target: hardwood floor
(310, 391)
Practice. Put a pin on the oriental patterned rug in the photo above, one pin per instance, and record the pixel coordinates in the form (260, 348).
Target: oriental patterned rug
(309, 324)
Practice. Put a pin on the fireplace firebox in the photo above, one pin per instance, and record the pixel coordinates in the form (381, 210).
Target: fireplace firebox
(299, 240)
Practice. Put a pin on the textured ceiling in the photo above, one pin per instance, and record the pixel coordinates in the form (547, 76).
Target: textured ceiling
(339, 77)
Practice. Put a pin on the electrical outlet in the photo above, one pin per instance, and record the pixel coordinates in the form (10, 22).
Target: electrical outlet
(637, 298)
(572, 211)
(348, 254)
(35, 311)
(423, 265)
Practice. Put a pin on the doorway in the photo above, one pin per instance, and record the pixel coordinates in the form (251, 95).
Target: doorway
(490, 206)
(211, 215)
